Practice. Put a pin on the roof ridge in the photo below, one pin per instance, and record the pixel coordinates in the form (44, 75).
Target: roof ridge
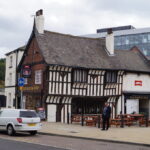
(73, 36)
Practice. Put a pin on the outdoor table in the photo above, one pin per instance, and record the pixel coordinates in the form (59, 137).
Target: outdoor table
(136, 116)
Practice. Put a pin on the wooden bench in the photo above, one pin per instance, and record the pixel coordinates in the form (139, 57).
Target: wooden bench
(142, 122)
(115, 122)
(90, 120)
(76, 118)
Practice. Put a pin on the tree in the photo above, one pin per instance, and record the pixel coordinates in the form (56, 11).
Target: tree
(2, 72)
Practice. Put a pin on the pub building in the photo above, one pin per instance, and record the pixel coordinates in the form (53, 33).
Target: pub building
(68, 75)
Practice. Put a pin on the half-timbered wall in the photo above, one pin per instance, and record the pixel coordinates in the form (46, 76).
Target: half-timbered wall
(61, 83)
(60, 80)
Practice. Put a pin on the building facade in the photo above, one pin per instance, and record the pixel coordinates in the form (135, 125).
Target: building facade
(2, 98)
(69, 75)
(127, 37)
(12, 60)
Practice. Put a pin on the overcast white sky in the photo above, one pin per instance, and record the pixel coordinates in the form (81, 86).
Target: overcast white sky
(75, 17)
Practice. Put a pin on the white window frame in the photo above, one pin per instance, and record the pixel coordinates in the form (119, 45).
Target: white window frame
(10, 78)
(38, 76)
(11, 61)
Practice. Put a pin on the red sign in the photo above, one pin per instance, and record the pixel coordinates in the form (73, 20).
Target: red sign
(26, 71)
(138, 83)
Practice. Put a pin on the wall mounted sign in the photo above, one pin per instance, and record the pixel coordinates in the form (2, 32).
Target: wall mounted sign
(30, 88)
(138, 83)
(26, 71)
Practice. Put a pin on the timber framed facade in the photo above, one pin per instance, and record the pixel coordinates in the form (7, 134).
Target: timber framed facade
(75, 75)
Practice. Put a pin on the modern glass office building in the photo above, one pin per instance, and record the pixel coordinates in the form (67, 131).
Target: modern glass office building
(128, 36)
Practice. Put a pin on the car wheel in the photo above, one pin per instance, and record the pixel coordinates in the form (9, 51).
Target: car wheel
(33, 132)
(10, 130)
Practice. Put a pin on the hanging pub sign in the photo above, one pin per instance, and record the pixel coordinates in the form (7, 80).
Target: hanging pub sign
(138, 83)
(26, 71)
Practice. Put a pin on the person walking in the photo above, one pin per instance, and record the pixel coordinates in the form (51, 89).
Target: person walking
(106, 116)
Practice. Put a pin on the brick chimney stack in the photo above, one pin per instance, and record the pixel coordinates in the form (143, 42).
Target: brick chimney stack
(110, 42)
(39, 21)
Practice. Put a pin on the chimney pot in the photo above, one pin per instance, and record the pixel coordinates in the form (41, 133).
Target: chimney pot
(39, 12)
(109, 31)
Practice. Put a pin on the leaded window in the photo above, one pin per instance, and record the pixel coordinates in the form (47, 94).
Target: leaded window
(111, 77)
(79, 76)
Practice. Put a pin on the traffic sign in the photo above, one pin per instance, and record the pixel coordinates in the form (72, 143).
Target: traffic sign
(21, 82)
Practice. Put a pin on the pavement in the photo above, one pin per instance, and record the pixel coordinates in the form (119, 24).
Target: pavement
(129, 135)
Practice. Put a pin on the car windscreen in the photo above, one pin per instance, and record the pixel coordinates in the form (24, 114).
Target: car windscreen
(28, 114)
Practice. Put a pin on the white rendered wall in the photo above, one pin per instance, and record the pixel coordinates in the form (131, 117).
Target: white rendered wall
(10, 91)
(10, 86)
(129, 82)
(129, 86)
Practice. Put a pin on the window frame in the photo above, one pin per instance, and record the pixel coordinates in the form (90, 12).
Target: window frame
(111, 77)
(79, 76)
(10, 61)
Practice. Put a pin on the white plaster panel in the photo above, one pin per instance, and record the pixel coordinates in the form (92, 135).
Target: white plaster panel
(51, 115)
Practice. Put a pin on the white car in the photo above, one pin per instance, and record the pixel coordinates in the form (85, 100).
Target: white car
(13, 120)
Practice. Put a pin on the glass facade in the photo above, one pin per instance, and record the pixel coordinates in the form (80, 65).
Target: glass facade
(126, 42)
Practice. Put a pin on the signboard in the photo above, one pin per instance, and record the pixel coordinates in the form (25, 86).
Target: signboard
(138, 83)
(26, 71)
(41, 113)
(21, 82)
(30, 88)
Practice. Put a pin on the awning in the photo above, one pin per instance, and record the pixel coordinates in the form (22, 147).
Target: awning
(58, 100)
(136, 95)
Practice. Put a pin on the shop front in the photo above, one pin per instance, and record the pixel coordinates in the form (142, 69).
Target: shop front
(137, 103)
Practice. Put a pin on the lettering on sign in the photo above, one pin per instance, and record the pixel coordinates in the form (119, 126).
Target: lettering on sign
(138, 83)
(139, 97)
(31, 88)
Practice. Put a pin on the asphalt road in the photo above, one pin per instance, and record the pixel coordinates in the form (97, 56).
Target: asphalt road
(6, 144)
(23, 141)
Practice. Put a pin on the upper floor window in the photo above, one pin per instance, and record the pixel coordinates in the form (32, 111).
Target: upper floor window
(10, 78)
(38, 76)
(111, 77)
(11, 61)
(79, 76)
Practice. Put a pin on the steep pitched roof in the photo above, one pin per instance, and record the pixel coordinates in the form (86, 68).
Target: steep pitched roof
(68, 50)
(22, 48)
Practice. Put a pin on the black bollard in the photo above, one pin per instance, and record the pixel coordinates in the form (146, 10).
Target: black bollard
(99, 121)
(122, 121)
(146, 120)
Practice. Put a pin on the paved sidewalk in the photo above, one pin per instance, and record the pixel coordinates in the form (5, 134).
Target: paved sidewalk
(128, 134)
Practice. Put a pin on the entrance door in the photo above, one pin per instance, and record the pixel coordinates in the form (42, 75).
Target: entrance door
(132, 106)
(58, 113)
(144, 106)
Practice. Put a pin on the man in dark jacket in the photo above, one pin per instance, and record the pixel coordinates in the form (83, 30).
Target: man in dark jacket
(106, 116)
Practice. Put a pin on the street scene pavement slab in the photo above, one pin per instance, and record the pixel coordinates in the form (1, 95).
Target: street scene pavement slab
(134, 134)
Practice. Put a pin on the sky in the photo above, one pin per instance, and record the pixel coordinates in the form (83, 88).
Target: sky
(76, 17)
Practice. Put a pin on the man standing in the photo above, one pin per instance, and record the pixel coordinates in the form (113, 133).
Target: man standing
(106, 116)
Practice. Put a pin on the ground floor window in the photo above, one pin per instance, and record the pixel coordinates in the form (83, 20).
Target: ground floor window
(88, 106)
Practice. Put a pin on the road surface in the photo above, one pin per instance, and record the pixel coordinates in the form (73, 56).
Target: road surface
(23, 141)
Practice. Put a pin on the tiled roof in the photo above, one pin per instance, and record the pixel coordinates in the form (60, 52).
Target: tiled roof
(68, 50)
